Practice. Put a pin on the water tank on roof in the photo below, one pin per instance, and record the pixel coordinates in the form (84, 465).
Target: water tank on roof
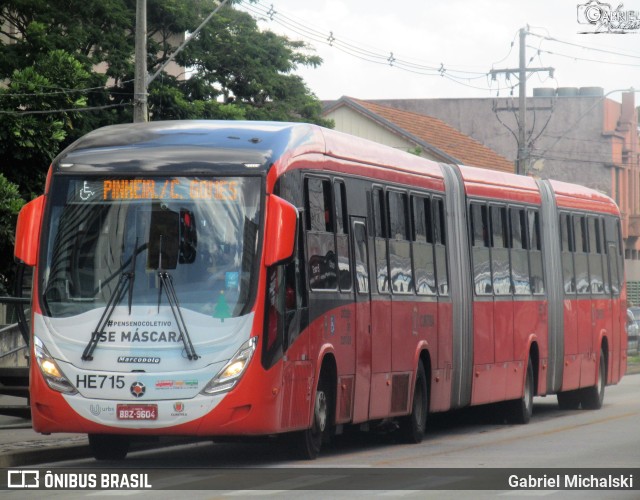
(591, 91)
(544, 92)
(567, 91)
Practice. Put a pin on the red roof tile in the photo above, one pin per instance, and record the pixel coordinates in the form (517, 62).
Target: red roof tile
(442, 136)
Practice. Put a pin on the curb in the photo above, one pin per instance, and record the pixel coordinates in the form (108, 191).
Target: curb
(55, 452)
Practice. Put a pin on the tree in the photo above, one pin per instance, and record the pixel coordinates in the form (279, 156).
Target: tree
(248, 73)
(66, 58)
(10, 205)
(67, 68)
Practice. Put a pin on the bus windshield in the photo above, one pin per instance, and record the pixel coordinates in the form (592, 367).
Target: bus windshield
(201, 231)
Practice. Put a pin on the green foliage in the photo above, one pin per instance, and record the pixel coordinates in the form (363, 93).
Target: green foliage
(10, 205)
(68, 67)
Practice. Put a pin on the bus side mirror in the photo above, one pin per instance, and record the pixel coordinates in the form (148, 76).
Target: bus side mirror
(28, 232)
(280, 233)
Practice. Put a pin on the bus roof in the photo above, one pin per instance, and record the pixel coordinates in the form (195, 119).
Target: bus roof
(574, 196)
(161, 146)
(187, 146)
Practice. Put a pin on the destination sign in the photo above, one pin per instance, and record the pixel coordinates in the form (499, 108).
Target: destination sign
(169, 189)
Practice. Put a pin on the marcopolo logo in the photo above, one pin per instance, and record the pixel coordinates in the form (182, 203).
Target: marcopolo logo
(604, 19)
(137, 389)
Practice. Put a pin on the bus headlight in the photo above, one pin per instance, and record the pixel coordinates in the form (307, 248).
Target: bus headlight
(52, 374)
(231, 373)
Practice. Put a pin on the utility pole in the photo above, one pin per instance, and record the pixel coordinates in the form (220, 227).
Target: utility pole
(522, 71)
(140, 82)
(142, 79)
(523, 149)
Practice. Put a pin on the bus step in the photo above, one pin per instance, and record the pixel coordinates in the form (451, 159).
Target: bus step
(21, 411)
(20, 391)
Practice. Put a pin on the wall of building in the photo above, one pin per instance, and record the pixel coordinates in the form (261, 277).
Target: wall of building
(572, 145)
(349, 121)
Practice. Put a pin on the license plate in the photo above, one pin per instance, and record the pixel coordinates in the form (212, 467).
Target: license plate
(137, 412)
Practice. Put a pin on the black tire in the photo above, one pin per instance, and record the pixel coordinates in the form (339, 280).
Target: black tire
(569, 400)
(414, 425)
(109, 446)
(309, 442)
(520, 410)
(593, 397)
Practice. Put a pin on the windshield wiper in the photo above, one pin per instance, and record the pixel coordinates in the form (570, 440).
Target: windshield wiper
(166, 283)
(127, 277)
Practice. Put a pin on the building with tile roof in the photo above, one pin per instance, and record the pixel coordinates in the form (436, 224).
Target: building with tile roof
(413, 132)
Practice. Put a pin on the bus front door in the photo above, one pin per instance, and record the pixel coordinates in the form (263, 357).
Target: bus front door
(362, 308)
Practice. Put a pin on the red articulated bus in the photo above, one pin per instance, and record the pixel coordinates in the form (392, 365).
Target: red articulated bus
(247, 278)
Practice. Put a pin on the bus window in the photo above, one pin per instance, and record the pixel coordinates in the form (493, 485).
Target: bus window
(423, 260)
(519, 255)
(499, 253)
(480, 243)
(440, 240)
(567, 245)
(399, 246)
(381, 234)
(605, 268)
(535, 252)
(580, 256)
(596, 278)
(342, 238)
(322, 263)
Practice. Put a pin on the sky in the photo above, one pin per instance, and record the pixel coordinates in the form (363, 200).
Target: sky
(378, 49)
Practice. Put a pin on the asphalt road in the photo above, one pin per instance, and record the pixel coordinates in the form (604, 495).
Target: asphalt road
(472, 439)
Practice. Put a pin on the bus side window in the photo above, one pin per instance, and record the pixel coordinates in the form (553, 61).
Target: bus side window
(399, 246)
(322, 265)
(535, 251)
(381, 233)
(423, 259)
(342, 238)
(613, 239)
(274, 316)
(520, 277)
(580, 256)
(480, 248)
(440, 241)
(499, 251)
(605, 266)
(596, 279)
(567, 246)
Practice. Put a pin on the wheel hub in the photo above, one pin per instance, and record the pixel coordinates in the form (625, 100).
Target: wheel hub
(320, 411)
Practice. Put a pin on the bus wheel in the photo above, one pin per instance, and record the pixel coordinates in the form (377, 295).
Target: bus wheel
(592, 397)
(309, 441)
(568, 400)
(413, 426)
(520, 410)
(109, 446)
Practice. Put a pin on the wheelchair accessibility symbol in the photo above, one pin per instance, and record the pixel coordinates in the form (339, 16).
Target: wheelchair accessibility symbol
(85, 192)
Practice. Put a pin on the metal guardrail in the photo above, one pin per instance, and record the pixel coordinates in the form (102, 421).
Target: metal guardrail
(17, 319)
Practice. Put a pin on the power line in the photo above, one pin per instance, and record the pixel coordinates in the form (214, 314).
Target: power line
(576, 58)
(595, 49)
(69, 110)
(376, 56)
